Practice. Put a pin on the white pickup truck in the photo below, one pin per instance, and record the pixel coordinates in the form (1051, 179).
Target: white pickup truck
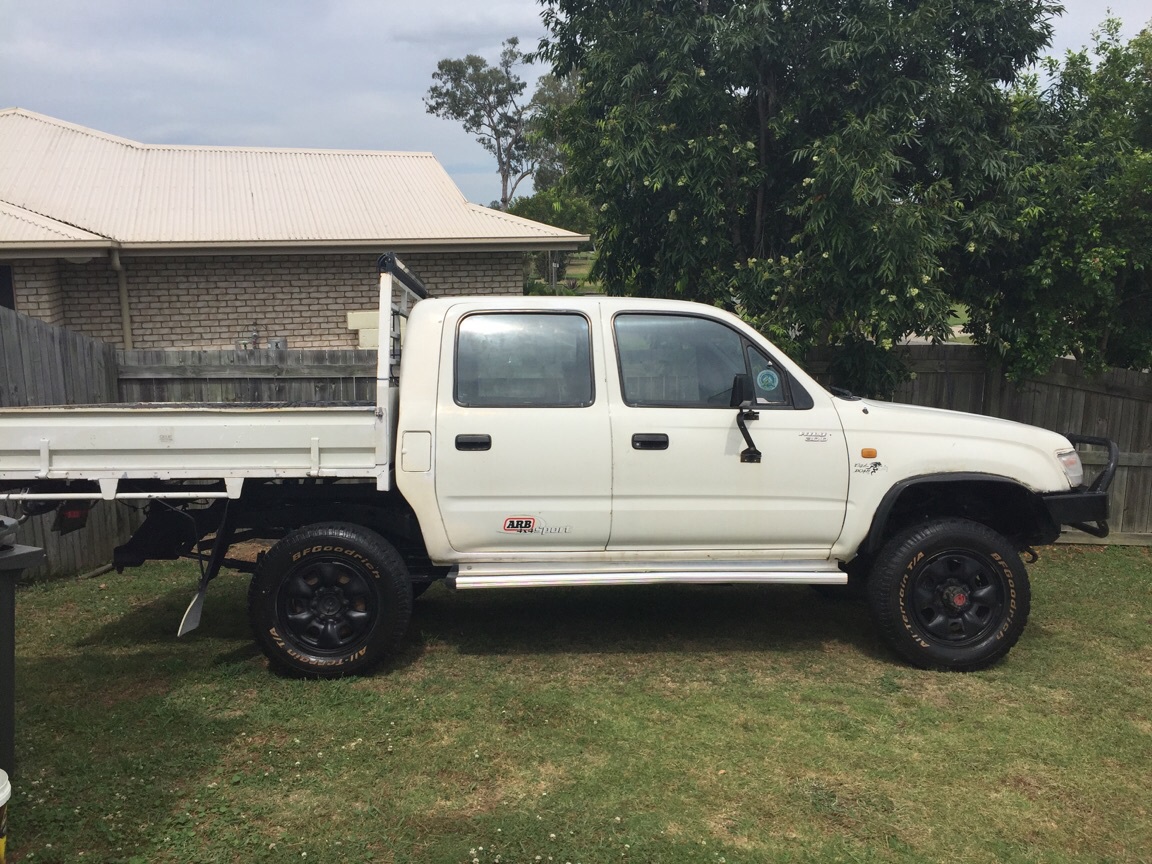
(569, 441)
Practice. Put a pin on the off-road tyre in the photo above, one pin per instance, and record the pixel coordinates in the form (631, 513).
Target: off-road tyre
(330, 600)
(950, 594)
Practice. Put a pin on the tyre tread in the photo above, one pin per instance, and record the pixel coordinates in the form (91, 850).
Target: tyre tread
(395, 590)
(888, 570)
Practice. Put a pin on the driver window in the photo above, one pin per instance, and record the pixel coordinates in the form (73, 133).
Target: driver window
(689, 362)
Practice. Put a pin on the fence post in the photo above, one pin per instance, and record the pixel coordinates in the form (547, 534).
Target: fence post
(993, 385)
(14, 560)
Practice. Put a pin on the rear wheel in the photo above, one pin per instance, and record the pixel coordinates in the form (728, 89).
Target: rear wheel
(330, 600)
(950, 594)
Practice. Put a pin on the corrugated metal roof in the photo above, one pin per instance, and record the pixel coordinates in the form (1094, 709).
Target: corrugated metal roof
(144, 194)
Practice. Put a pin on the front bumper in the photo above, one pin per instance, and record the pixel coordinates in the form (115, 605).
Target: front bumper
(1086, 509)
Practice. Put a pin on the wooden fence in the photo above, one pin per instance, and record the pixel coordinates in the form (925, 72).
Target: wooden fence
(45, 365)
(1116, 405)
(40, 364)
(265, 375)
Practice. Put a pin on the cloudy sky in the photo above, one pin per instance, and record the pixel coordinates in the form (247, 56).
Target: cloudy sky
(347, 74)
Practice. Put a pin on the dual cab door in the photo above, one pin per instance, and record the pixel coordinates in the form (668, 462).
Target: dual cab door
(591, 430)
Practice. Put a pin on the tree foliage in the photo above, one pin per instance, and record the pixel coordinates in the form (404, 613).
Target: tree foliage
(489, 102)
(812, 165)
(1073, 277)
(559, 206)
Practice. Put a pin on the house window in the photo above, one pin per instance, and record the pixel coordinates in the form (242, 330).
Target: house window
(7, 291)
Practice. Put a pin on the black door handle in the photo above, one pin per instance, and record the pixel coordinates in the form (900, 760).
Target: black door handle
(473, 442)
(649, 441)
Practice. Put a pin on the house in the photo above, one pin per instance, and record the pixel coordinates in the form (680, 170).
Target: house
(160, 246)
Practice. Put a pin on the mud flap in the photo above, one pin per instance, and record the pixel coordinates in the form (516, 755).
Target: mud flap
(191, 619)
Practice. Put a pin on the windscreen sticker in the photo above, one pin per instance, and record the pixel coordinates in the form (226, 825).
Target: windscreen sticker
(768, 380)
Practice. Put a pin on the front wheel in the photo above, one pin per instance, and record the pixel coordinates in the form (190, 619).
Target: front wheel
(330, 600)
(951, 594)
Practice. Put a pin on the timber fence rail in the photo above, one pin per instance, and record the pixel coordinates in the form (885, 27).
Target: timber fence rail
(260, 375)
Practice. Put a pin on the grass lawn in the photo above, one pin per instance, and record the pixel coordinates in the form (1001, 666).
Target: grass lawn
(742, 724)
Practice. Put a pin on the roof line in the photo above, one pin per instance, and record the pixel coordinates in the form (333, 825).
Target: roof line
(139, 145)
(48, 223)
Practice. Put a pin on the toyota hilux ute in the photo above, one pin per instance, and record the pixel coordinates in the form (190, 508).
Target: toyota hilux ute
(570, 441)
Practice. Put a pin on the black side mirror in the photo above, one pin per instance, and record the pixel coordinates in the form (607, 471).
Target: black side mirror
(743, 398)
(743, 392)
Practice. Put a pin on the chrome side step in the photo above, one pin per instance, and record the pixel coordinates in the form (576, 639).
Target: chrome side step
(548, 575)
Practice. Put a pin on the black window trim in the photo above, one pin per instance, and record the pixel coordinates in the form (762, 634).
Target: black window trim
(798, 398)
(550, 406)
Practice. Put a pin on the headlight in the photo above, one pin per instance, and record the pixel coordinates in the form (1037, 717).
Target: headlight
(1073, 469)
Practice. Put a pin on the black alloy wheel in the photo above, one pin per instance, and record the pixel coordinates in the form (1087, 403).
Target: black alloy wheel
(330, 600)
(950, 594)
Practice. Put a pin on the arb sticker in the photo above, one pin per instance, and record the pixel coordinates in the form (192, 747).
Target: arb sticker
(520, 525)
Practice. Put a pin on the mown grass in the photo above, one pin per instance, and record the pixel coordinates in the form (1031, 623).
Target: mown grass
(743, 724)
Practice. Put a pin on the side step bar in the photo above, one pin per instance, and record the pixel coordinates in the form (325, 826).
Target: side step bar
(548, 575)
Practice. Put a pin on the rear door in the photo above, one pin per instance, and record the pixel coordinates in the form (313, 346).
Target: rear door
(524, 456)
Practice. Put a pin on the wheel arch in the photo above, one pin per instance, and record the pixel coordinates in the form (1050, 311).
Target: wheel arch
(1000, 503)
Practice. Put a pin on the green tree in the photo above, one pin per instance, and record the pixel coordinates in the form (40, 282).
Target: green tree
(810, 165)
(489, 102)
(555, 205)
(553, 96)
(1072, 278)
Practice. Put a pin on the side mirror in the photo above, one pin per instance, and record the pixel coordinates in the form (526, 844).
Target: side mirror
(743, 392)
(743, 398)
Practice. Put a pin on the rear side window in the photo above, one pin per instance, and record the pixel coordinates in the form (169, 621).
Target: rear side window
(523, 360)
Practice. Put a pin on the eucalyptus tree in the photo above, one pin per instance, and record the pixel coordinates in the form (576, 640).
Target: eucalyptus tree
(488, 100)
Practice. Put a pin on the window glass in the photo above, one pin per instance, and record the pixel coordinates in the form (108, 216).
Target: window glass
(677, 360)
(686, 361)
(523, 360)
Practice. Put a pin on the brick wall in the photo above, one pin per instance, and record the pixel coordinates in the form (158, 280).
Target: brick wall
(38, 289)
(209, 302)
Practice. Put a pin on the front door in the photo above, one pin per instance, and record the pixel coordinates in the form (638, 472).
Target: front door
(679, 482)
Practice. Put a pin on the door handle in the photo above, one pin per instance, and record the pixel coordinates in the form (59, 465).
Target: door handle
(473, 442)
(649, 441)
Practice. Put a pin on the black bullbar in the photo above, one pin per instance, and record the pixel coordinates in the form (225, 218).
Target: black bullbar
(1086, 509)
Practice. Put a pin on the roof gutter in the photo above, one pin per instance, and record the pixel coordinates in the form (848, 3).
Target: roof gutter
(132, 249)
(125, 310)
